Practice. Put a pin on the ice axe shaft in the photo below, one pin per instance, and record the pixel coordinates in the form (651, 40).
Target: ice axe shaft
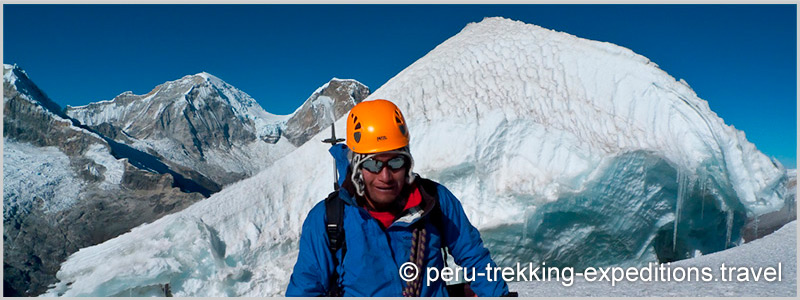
(333, 141)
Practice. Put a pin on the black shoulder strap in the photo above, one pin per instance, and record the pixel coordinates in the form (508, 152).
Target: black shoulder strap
(334, 218)
(438, 219)
(430, 188)
(435, 216)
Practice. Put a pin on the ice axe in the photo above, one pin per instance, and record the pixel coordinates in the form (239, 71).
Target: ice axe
(333, 141)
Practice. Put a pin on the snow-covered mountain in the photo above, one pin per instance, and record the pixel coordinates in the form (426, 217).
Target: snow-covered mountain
(561, 149)
(63, 190)
(192, 96)
(198, 123)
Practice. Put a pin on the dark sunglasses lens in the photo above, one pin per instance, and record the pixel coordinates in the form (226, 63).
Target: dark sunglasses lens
(372, 165)
(396, 163)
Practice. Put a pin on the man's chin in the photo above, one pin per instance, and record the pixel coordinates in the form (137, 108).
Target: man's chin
(383, 198)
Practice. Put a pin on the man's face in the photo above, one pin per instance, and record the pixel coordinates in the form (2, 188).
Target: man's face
(383, 187)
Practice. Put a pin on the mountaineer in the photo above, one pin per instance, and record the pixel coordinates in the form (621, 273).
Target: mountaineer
(384, 215)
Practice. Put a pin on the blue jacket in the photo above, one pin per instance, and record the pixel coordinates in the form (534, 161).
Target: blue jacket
(371, 265)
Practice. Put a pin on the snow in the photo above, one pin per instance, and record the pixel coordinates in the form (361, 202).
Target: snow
(320, 89)
(559, 148)
(9, 76)
(114, 168)
(242, 103)
(344, 80)
(37, 174)
(324, 103)
(767, 252)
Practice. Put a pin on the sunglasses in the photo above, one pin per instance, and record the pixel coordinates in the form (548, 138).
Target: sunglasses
(375, 166)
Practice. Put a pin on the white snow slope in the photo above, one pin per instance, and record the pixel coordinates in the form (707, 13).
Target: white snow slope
(514, 119)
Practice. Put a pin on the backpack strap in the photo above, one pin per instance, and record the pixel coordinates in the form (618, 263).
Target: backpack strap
(437, 218)
(435, 215)
(334, 219)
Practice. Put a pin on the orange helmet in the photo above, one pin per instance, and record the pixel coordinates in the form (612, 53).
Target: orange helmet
(376, 126)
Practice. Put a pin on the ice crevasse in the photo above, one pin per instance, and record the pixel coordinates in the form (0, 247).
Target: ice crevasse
(565, 150)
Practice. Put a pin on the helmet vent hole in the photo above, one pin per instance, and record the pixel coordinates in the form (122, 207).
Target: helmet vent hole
(355, 119)
(358, 126)
(357, 136)
(396, 119)
(402, 129)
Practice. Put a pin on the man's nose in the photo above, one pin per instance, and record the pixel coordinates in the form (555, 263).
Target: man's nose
(385, 174)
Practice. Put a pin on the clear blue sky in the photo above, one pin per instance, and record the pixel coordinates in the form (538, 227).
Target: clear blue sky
(742, 59)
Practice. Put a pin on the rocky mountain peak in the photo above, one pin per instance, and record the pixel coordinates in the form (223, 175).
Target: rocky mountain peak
(16, 83)
(328, 103)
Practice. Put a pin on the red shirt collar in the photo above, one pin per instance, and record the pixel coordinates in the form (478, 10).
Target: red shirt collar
(387, 218)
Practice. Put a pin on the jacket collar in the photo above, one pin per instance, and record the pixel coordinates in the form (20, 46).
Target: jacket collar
(412, 215)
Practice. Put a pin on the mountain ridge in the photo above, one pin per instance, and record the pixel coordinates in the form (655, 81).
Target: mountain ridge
(205, 124)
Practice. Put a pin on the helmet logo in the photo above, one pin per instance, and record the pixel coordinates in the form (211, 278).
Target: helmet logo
(381, 138)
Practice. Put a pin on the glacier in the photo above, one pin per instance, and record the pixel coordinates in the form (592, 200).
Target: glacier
(565, 150)
(37, 176)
